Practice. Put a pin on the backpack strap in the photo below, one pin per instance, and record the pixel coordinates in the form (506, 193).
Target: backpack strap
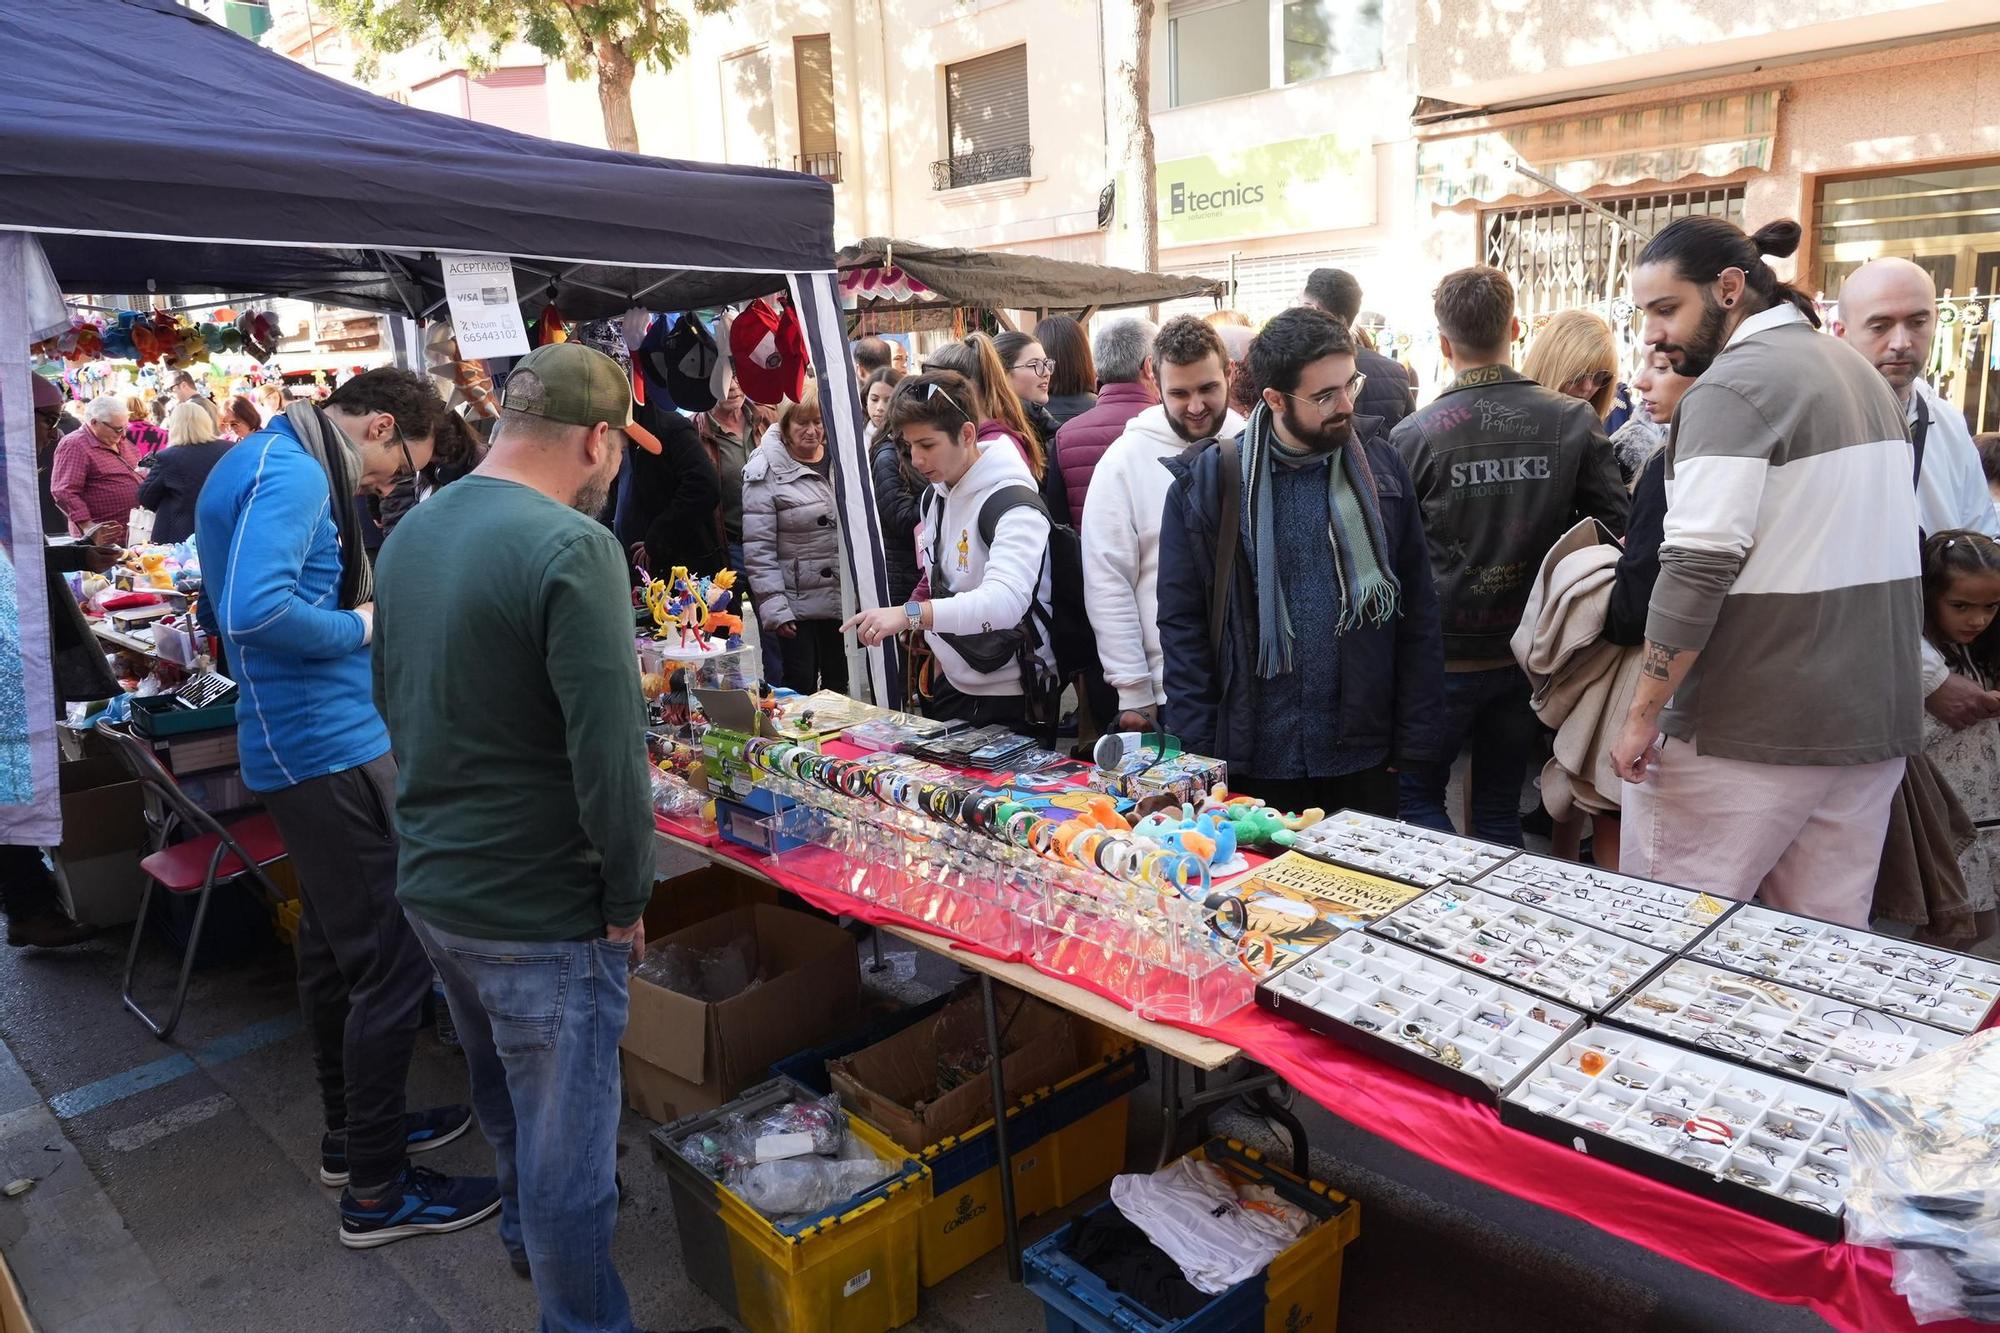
(1000, 502)
(1226, 539)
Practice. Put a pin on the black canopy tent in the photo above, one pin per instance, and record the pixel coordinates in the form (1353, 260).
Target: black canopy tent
(118, 177)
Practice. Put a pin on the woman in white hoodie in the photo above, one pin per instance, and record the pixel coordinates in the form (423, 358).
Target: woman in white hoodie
(982, 589)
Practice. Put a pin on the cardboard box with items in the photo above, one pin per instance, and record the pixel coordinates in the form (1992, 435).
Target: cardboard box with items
(766, 982)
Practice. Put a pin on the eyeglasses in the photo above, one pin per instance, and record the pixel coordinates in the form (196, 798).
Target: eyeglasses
(1042, 366)
(1325, 401)
(409, 468)
(1590, 383)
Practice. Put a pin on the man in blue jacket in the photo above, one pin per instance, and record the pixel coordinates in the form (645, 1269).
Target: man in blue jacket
(1324, 672)
(292, 593)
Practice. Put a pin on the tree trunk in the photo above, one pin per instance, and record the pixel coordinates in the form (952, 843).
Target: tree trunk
(1130, 95)
(614, 94)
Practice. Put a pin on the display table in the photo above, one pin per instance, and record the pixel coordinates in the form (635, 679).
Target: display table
(119, 639)
(1846, 1285)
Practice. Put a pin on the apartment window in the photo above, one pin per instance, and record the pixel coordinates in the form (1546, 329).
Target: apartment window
(986, 115)
(1224, 48)
(749, 130)
(819, 148)
(1564, 256)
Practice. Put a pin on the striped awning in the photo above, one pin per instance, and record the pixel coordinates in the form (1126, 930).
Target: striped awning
(1713, 136)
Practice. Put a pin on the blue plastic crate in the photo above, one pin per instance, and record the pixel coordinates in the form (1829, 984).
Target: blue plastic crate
(1301, 1287)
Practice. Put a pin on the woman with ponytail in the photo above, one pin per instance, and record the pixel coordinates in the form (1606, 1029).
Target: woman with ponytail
(978, 358)
(1786, 619)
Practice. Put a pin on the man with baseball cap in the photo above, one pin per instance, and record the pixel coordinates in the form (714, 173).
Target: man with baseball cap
(504, 665)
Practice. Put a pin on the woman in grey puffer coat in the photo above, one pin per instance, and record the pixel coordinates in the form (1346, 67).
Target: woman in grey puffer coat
(791, 547)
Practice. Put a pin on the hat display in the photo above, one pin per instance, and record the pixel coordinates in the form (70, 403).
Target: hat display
(651, 360)
(769, 352)
(575, 385)
(690, 362)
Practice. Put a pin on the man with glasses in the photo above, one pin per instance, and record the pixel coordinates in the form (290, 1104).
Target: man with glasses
(292, 594)
(1298, 625)
(95, 477)
(1503, 468)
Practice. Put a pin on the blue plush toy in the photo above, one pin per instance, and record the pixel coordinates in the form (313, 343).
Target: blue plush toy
(1207, 836)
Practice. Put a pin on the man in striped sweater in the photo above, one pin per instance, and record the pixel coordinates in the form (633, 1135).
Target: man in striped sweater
(1781, 644)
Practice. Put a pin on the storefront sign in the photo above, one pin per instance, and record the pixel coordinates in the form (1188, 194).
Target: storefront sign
(485, 313)
(1318, 184)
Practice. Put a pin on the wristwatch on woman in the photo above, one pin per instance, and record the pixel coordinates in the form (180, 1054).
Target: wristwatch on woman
(914, 609)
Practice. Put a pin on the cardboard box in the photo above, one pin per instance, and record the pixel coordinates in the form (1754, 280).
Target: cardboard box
(704, 892)
(893, 1085)
(682, 1055)
(104, 835)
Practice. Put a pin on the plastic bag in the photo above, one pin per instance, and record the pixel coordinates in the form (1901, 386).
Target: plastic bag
(709, 975)
(823, 1120)
(804, 1185)
(1925, 1142)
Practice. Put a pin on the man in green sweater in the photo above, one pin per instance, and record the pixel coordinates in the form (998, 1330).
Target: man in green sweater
(505, 669)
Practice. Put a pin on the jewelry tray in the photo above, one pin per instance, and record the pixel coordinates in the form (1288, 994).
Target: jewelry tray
(1340, 989)
(1693, 1121)
(1665, 916)
(1566, 961)
(1954, 991)
(1757, 1021)
(1395, 850)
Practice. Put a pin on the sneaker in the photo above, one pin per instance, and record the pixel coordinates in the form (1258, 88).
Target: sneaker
(421, 1203)
(50, 930)
(422, 1131)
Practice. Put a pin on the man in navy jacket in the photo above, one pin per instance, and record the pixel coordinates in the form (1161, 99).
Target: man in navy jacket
(1330, 671)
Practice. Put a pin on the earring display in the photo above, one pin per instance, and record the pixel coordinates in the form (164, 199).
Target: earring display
(1950, 990)
(1763, 1022)
(1468, 1032)
(1399, 851)
(1562, 959)
(1755, 1141)
(1663, 915)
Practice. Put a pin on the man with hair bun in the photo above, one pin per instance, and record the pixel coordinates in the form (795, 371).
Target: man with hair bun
(1781, 653)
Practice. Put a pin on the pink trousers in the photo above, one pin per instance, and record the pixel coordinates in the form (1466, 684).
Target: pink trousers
(1804, 838)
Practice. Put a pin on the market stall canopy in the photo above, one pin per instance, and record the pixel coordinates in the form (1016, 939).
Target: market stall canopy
(155, 150)
(994, 281)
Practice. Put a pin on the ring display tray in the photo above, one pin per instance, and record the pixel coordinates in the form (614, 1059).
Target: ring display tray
(1468, 1032)
(1525, 946)
(1399, 851)
(1662, 915)
(1759, 1021)
(1954, 991)
(1758, 1142)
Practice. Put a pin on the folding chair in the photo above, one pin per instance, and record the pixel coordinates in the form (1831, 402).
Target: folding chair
(217, 854)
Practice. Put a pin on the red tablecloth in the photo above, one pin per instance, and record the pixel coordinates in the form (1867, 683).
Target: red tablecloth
(1846, 1285)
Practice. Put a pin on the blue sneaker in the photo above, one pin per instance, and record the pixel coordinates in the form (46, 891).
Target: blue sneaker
(422, 1203)
(422, 1131)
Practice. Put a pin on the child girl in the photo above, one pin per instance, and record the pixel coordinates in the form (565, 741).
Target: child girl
(1961, 599)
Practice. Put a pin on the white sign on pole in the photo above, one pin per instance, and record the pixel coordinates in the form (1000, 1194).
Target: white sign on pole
(485, 310)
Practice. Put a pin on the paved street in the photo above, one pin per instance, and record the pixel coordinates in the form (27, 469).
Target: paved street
(205, 1150)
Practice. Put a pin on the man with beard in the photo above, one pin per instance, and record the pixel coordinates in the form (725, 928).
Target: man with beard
(505, 668)
(1781, 642)
(1298, 623)
(1127, 491)
(1503, 467)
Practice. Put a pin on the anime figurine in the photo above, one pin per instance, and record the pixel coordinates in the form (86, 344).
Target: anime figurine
(767, 702)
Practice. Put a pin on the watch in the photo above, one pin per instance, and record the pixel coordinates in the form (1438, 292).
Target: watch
(914, 609)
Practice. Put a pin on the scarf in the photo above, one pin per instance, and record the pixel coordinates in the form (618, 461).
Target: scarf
(328, 444)
(1369, 593)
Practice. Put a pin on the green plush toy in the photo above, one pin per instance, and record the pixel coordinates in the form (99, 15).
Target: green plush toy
(1257, 824)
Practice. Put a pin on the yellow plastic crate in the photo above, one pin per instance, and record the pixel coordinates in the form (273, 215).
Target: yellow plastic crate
(851, 1272)
(1054, 1162)
(1302, 1285)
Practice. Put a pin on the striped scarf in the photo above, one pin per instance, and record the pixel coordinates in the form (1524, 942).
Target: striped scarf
(335, 453)
(1369, 592)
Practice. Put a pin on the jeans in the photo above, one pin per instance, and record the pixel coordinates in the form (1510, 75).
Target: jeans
(1488, 711)
(539, 1023)
(1372, 791)
(362, 974)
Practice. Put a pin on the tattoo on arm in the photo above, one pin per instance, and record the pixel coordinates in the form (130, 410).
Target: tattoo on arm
(1659, 661)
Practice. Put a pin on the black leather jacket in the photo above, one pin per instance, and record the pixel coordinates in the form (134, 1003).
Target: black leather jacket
(1502, 467)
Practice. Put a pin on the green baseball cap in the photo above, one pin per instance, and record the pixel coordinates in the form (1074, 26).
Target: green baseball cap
(576, 385)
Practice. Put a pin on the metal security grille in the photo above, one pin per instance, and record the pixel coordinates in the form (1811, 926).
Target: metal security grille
(813, 57)
(986, 112)
(1266, 284)
(1564, 256)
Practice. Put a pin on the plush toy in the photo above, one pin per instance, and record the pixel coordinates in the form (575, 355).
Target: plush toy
(1209, 835)
(1256, 824)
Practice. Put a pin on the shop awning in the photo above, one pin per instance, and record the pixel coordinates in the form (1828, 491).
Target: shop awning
(1712, 136)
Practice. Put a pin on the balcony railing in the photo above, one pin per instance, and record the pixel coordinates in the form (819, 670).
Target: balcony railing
(826, 166)
(989, 164)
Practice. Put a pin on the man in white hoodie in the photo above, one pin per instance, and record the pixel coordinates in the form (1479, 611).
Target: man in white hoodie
(1121, 516)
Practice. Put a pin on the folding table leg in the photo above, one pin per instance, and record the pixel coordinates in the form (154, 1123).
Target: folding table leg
(1170, 1108)
(1011, 1220)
